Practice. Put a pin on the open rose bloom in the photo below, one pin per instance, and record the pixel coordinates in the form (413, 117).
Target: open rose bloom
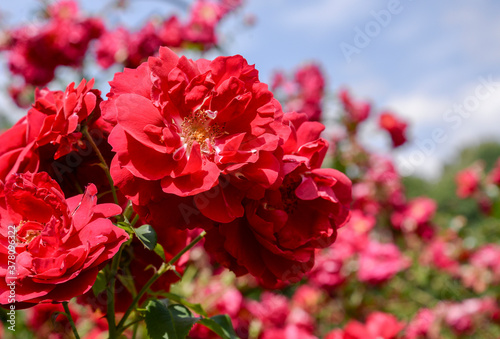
(61, 244)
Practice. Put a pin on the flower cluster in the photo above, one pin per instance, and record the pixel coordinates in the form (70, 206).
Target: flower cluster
(65, 35)
(36, 51)
(222, 150)
(304, 93)
(132, 48)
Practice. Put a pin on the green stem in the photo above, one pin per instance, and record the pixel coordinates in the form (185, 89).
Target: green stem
(135, 220)
(104, 165)
(110, 315)
(70, 319)
(162, 270)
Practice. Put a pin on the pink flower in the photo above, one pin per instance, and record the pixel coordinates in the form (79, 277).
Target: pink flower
(308, 298)
(416, 217)
(272, 310)
(356, 111)
(289, 332)
(494, 175)
(442, 254)
(378, 325)
(461, 317)
(380, 262)
(421, 325)
(468, 181)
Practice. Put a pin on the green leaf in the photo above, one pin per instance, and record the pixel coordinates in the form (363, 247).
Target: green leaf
(123, 225)
(496, 209)
(221, 325)
(165, 321)
(178, 299)
(160, 251)
(100, 284)
(147, 236)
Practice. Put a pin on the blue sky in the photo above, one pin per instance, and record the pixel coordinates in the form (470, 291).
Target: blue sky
(427, 58)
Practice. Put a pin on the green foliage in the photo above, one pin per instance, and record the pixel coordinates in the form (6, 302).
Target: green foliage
(479, 228)
(220, 324)
(100, 284)
(147, 236)
(174, 321)
(168, 321)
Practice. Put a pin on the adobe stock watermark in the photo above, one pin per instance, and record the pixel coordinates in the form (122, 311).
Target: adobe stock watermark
(453, 118)
(11, 276)
(371, 30)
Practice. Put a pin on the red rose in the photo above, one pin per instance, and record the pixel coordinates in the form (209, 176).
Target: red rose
(395, 127)
(16, 147)
(357, 111)
(48, 139)
(64, 113)
(195, 121)
(60, 244)
(277, 237)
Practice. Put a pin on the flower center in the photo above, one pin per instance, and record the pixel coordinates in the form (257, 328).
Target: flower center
(288, 196)
(28, 230)
(201, 128)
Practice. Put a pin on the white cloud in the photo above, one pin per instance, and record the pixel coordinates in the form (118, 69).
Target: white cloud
(424, 156)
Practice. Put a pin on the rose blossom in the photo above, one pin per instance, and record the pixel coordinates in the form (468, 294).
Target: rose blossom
(378, 325)
(468, 181)
(357, 111)
(61, 243)
(422, 325)
(494, 175)
(197, 120)
(49, 139)
(416, 217)
(395, 127)
(277, 237)
(380, 262)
